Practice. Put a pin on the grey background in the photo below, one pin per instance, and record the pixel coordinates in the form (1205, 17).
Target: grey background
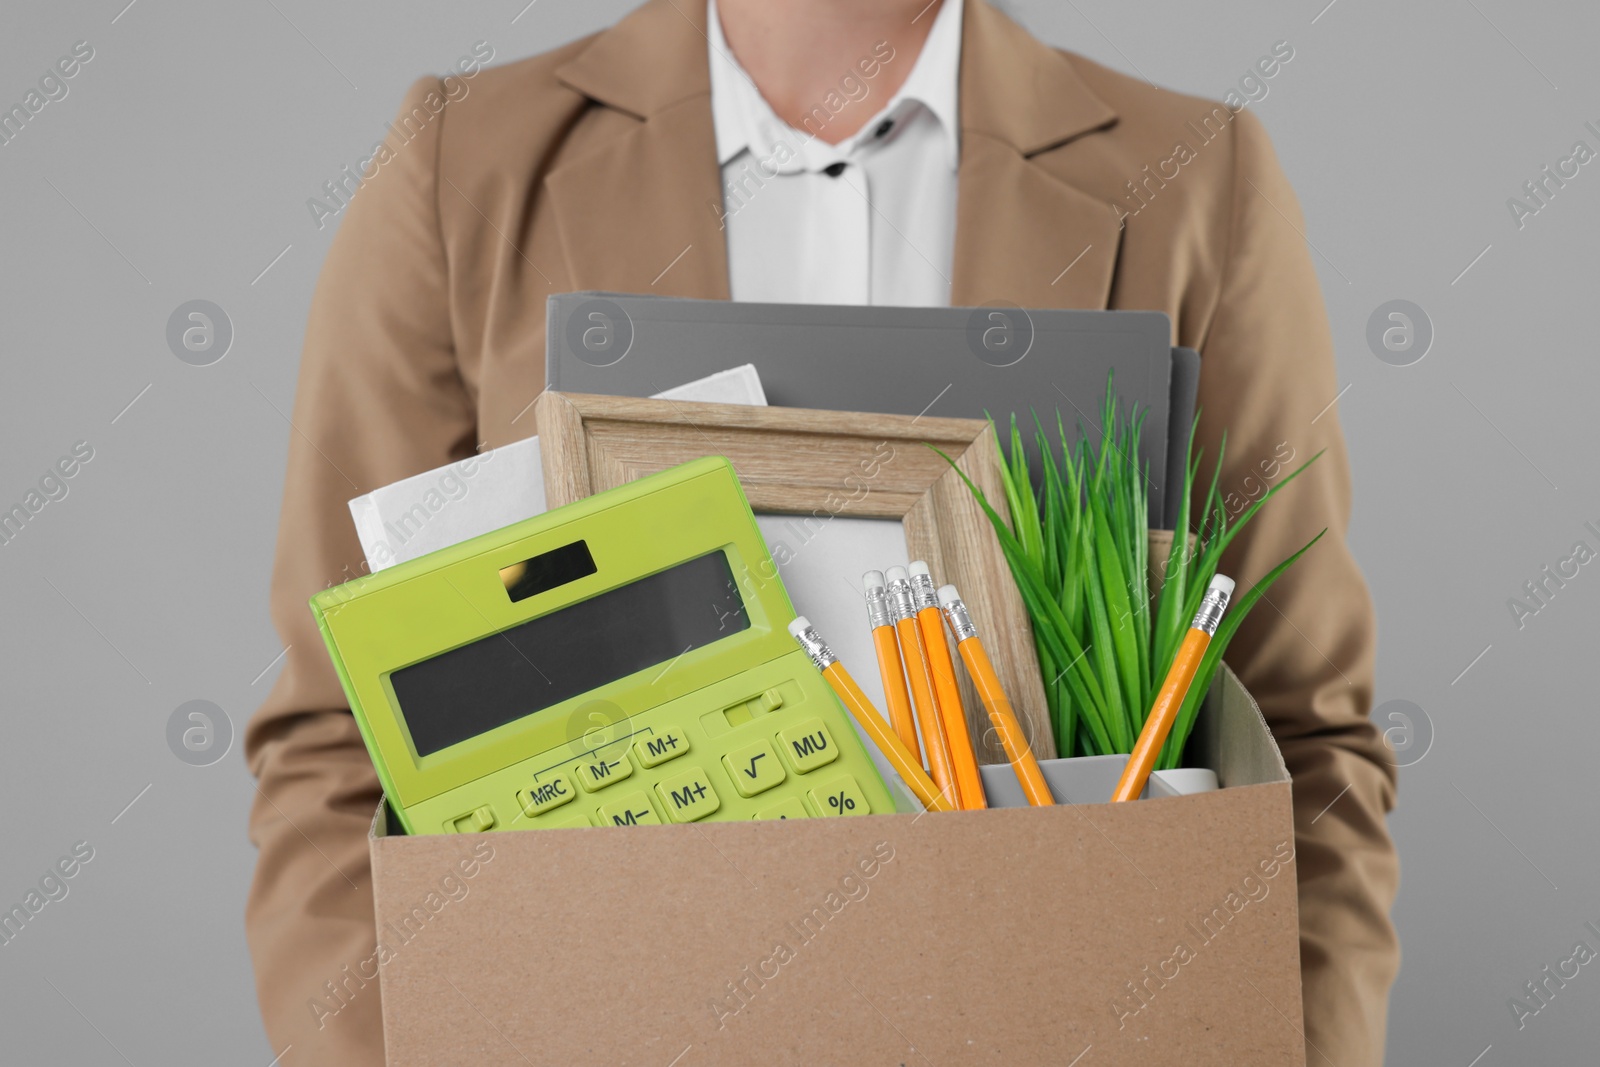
(178, 168)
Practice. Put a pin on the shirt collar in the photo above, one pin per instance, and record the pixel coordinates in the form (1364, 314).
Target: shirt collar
(744, 120)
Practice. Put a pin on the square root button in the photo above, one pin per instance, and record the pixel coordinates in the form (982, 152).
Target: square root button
(754, 768)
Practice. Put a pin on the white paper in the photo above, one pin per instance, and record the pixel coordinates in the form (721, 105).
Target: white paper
(821, 561)
(493, 489)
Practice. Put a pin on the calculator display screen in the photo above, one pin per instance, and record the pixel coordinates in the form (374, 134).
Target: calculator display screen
(542, 662)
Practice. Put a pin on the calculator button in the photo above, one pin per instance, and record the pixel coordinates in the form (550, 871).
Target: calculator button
(841, 796)
(547, 795)
(596, 774)
(808, 746)
(754, 768)
(654, 751)
(788, 808)
(473, 822)
(558, 822)
(689, 796)
(631, 810)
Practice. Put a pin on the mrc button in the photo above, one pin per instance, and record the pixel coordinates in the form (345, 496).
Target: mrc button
(547, 795)
(808, 746)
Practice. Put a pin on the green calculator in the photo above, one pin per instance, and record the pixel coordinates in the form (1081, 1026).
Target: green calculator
(620, 661)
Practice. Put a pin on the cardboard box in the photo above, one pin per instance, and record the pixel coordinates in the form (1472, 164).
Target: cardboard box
(1159, 932)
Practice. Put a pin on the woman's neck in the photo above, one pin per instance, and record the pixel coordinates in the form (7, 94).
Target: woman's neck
(799, 53)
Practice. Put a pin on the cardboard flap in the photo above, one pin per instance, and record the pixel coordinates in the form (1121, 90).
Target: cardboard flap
(1231, 736)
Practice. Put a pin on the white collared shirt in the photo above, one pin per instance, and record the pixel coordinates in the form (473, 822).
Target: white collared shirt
(870, 220)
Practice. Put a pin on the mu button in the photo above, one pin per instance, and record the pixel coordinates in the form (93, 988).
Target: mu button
(689, 796)
(808, 746)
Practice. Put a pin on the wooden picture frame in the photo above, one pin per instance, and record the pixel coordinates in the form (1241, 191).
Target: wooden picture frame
(801, 462)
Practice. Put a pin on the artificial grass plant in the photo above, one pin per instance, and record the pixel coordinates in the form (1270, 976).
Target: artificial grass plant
(1077, 544)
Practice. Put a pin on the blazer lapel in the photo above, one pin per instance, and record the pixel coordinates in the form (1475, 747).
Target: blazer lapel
(1023, 235)
(642, 213)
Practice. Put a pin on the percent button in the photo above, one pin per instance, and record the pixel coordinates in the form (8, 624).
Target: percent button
(842, 796)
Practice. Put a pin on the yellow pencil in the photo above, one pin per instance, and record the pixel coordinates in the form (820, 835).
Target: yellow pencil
(947, 694)
(914, 651)
(1180, 676)
(1012, 739)
(856, 702)
(890, 670)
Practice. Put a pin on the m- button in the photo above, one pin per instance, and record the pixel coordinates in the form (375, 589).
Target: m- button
(631, 810)
(596, 774)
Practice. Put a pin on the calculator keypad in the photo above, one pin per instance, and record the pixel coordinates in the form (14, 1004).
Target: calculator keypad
(763, 754)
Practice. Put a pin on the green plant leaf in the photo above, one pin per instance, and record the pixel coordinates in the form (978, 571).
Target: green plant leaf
(1121, 662)
(1049, 625)
(1172, 751)
(1077, 546)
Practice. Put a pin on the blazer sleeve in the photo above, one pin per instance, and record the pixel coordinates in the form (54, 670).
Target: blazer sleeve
(1307, 650)
(379, 398)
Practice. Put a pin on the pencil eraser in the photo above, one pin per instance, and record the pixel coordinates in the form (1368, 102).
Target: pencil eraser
(872, 581)
(920, 569)
(1222, 584)
(897, 574)
(948, 595)
(800, 625)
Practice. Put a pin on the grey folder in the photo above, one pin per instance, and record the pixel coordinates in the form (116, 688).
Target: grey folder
(954, 362)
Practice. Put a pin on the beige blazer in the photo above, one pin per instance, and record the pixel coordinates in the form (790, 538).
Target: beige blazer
(593, 167)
